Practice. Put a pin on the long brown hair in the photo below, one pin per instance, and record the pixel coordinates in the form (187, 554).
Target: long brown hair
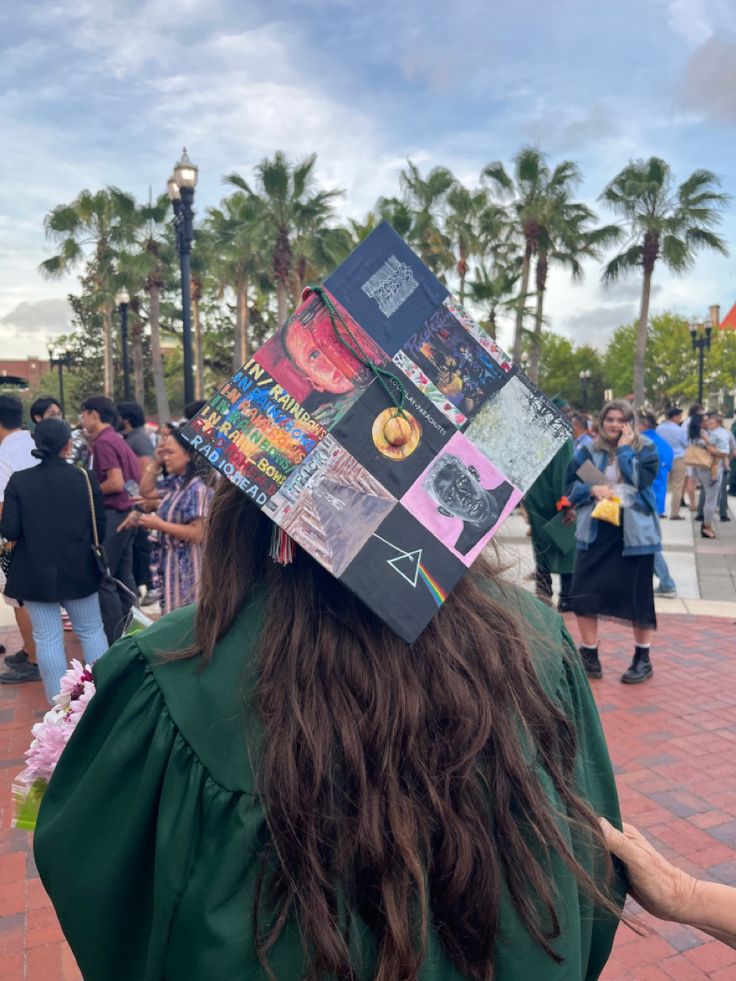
(627, 410)
(398, 782)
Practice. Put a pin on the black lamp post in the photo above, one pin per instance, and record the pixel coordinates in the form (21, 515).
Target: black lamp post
(181, 186)
(62, 361)
(700, 335)
(123, 299)
(584, 377)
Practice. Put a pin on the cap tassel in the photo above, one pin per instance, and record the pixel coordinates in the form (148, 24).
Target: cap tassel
(282, 546)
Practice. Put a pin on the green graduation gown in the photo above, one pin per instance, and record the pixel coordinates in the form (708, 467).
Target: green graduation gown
(558, 554)
(148, 836)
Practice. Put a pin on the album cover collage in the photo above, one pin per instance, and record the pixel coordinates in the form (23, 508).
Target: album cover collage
(390, 440)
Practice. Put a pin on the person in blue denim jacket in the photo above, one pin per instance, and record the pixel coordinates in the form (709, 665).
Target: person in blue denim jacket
(614, 564)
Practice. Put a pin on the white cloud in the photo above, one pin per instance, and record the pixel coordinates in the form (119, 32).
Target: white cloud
(50, 316)
(690, 19)
(710, 78)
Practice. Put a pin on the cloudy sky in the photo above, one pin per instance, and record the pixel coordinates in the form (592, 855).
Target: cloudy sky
(106, 92)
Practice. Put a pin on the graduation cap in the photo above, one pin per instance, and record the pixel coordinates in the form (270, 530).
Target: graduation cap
(383, 431)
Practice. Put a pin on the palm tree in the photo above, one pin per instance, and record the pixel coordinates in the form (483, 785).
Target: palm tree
(237, 242)
(463, 226)
(89, 229)
(142, 262)
(425, 198)
(136, 345)
(567, 237)
(494, 290)
(289, 204)
(318, 248)
(662, 221)
(529, 188)
(397, 213)
(362, 229)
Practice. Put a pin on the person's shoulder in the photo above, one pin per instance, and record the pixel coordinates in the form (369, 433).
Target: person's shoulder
(173, 632)
(542, 628)
(207, 701)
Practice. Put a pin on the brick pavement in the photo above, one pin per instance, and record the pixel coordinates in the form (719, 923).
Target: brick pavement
(672, 741)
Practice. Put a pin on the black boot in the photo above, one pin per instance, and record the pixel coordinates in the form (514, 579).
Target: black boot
(589, 657)
(641, 667)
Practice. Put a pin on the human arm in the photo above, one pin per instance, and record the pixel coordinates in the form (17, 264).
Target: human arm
(113, 482)
(193, 531)
(668, 892)
(10, 519)
(191, 506)
(150, 471)
(638, 468)
(6, 472)
(578, 491)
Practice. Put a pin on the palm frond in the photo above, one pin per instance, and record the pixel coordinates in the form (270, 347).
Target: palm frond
(701, 238)
(496, 173)
(62, 221)
(623, 263)
(52, 268)
(676, 255)
(235, 180)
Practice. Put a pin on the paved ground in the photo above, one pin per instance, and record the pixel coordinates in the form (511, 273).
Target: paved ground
(672, 740)
(704, 570)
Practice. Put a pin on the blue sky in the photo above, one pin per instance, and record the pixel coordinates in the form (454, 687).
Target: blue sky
(104, 92)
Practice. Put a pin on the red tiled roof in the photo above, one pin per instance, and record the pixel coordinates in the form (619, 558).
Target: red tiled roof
(729, 320)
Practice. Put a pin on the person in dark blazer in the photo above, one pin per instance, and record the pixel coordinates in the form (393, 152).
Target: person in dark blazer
(47, 514)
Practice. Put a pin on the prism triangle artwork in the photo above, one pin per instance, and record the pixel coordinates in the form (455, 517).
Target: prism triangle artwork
(384, 431)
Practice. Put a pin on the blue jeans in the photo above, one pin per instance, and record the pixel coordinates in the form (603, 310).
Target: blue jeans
(48, 633)
(662, 573)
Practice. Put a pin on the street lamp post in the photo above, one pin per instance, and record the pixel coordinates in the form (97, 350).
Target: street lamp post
(123, 299)
(62, 361)
(584, 377)
(700, 337)
(181, 186)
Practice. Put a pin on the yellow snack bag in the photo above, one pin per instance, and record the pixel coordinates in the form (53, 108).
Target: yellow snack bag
(608, 509)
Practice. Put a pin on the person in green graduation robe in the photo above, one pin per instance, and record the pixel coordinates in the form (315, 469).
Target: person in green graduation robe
(553, 531)
(275, 782)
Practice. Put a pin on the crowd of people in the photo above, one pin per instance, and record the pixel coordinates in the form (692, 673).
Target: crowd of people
(97, 518)
(607, 567)
(271, 783)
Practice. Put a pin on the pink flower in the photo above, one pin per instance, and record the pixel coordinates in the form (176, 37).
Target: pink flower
(49, 740)
(72, 683)
(51, 736)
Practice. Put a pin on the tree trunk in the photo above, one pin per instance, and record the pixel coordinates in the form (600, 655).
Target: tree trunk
(157, 363)
(536, 345)
(282, 310)
(136, 338)
(108, 375)
(198, 353)
(462, 271)
(518, 331)
(640, 349)
(242, 318)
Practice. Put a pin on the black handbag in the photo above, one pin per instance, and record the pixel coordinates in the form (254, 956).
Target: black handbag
(127, 595)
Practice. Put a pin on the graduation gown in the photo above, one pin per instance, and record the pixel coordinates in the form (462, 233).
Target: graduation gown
(149, 834)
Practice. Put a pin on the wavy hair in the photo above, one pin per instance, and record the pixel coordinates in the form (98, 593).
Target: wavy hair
(626, 408)
(395, 779)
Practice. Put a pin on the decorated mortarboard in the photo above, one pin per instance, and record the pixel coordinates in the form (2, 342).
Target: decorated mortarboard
(383, 431)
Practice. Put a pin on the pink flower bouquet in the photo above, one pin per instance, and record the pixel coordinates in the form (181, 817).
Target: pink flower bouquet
(49, 739)
(51, 736)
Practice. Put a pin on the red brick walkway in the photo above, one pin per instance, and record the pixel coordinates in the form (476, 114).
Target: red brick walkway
(673, 742)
